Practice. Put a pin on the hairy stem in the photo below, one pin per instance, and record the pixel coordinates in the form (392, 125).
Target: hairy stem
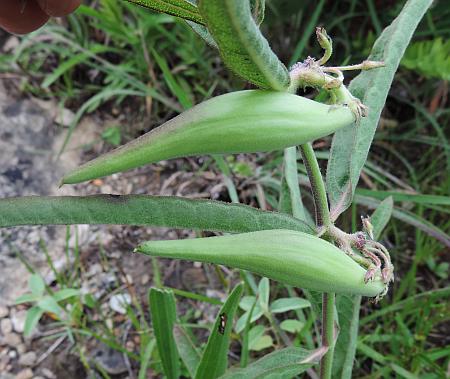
(317, 185)
(326, 364)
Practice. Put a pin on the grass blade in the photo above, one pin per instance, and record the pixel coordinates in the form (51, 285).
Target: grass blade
(284, 363)
(158, 211)
(409, 218)
(241, 44)
(215, 357)
(345, 164)
(179, 8)
(290, 197)
(381, 216)
(164, 314)
(407, 197)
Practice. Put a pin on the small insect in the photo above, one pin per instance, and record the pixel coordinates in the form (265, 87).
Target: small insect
(223, 323)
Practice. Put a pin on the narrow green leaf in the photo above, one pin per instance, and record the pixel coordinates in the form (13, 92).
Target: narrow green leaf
(186, 348)
(381, 216)
(203, 32)
(407, 197)
(164, 314)
(179, 8)
(292, 326)
(348, 307)
(146, 354)
(215, 357)
(65, 293)
(158, 211)
(345, 348)
(288, 304)
(26, 298)
(36, 285)
(371, 87)
(171, 81)
(281, 364)
(290, 197)
(241, 44)
(49, 304)
(33, 316)
(264, 294)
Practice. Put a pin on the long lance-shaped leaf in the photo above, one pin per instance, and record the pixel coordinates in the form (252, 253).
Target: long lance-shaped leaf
(284, 363)
(372, 87)
(241, 44)
(348, 307)
(179, 8)
(215, 357)
(159, 211)
(164, 313)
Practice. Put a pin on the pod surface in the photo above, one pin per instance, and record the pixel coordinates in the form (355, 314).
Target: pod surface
(286, 256)
(239, 122)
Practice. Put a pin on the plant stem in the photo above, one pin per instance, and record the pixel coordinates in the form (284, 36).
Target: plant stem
(317, 185)
(328, 301)
(322, 219)
(326, 364)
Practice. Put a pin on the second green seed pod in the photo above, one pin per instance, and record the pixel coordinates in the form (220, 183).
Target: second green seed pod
(290, 257)
(239, 122)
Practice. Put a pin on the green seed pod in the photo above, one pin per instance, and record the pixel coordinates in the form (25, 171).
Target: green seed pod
(287, 256)
(239, 122)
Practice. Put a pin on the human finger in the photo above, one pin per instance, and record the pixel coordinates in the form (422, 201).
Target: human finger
(21, 16)
(58, 8)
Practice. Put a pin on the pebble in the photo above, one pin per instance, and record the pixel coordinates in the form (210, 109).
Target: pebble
(11, 339)
(18, 320)
(25, 374)
(6, 326)
(28, 359)
(48, 374)
(21, 348)
(3, 311)
(119, 303)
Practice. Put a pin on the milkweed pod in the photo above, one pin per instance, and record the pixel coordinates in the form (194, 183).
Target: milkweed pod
(287, 256)
(239, 122)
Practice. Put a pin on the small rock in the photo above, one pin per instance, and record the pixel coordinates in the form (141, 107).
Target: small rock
(145, 279)
(48, 374)
(6, 375)
(28, 359)
(3, 311)
(110, 360)
(119, 302)
(6, 326)
(18, 320)
(4, 360)
(25, 374)
(21, 348)
(12, 354)
(64, 117)
(11, 339)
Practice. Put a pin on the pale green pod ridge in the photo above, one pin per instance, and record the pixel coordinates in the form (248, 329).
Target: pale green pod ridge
(238, 122)
(287, 256)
